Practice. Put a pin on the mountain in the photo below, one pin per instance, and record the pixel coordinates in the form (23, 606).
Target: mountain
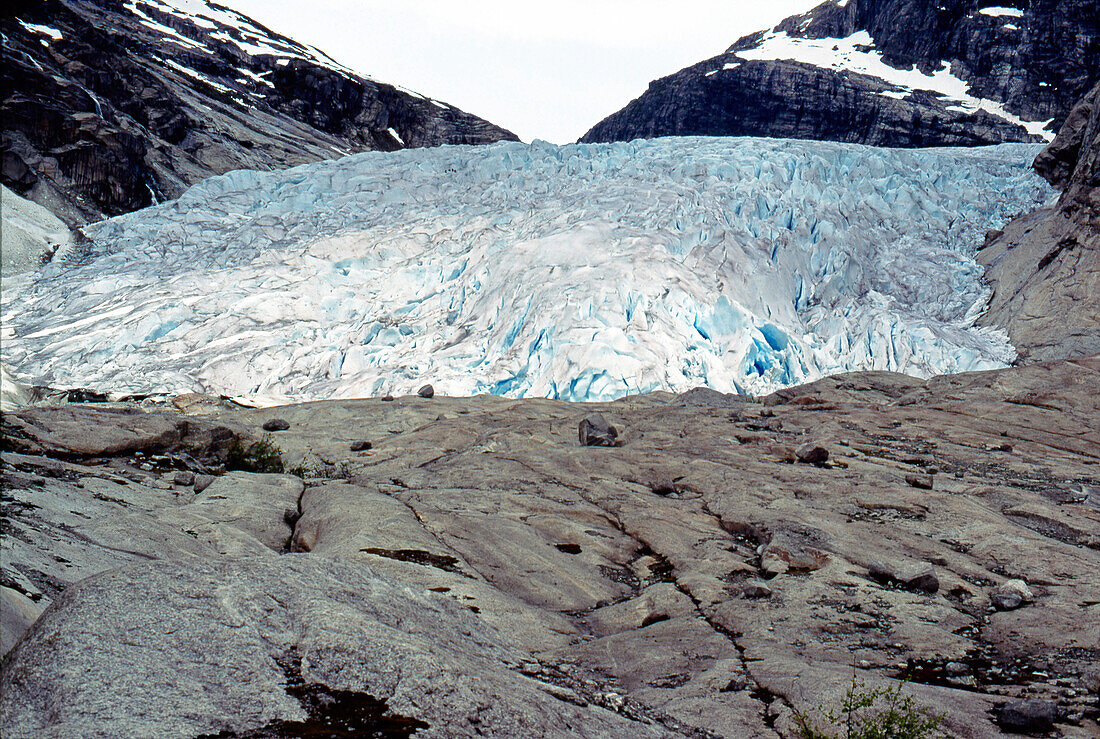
(884, 72)
(1046, 264)
(114, 105)
(582, 272)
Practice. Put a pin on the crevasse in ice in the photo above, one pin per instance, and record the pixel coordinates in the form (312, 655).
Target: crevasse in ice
(583, 272)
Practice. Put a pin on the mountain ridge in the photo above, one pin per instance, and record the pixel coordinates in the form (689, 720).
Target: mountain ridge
(113, 105)
(883, 72)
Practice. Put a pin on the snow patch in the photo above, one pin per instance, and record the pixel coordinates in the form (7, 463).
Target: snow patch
(856, 53)
(40, 29)
(999, 12)
(196, 75)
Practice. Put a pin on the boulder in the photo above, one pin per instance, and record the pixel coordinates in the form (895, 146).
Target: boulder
(276, 424)
(594, 430)
(812, 454)
(1028, 716)
(921, 482)
(1010, 595)
(919, 576)
(426, 391)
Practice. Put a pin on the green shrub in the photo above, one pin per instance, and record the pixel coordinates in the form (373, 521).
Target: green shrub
(261, 456)
(879, 713)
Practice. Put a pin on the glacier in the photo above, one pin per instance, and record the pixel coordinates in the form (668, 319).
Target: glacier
(584, 272)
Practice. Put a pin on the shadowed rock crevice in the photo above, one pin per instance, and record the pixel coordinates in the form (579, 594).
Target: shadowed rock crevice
(333, 714)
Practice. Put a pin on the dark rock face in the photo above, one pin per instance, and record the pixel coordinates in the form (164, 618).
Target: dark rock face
(1035, 61)
(1072, 162)
(109, 107)
(1045, 265)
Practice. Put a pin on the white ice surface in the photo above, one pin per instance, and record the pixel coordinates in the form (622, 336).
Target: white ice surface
(28, 234)
(584, 272)
(856, 53)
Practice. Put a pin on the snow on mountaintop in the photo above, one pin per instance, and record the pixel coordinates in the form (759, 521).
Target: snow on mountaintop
(582, 272)
(856, 53)
(232, 27)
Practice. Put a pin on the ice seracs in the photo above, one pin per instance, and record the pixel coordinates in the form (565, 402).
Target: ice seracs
(583, 272)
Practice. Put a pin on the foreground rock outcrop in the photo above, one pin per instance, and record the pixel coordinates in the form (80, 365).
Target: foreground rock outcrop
(475, 569)
(886, 73)
(111, 106)
(1045, 265)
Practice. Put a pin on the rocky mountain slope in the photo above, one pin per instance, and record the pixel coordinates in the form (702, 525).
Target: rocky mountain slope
(464, 567)
(113, 105)
(884, 72)
(1045, 265)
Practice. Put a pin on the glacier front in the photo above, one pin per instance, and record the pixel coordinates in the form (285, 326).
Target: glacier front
(582, 272)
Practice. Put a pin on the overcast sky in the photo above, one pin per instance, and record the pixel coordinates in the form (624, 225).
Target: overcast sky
(542, 70)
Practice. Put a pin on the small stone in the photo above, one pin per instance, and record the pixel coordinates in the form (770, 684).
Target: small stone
(360, 446)
(276, 424)
(202, 482)
(184, 478)
(920, 577)
(755, 589)
(1028, 715)
(427, 391)
(1006, 601)
(881, 572)
(1011, 595)
(594, 430)
(864, 664)
(923, 482)
(771, 564)
(914, 577)
(812, 454)
(954, 669)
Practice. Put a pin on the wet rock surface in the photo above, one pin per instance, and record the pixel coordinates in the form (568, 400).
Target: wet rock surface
(1045, 265)
(476, 570)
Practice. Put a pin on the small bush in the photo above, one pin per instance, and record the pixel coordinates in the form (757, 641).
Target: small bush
(879, 713)
(261, 456)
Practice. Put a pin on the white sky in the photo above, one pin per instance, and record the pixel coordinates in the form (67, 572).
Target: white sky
(542, 70)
